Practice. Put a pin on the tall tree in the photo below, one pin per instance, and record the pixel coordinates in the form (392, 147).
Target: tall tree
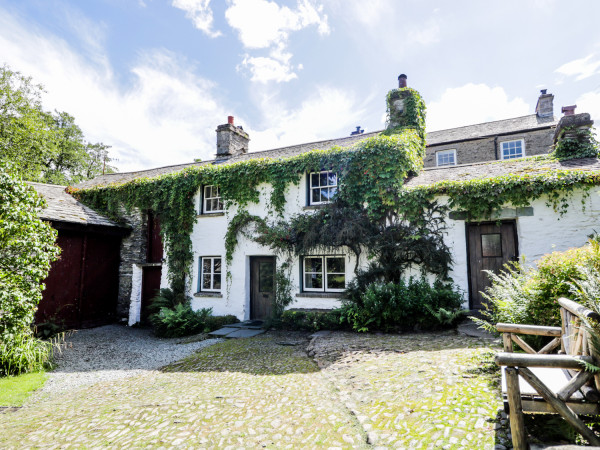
(44, 146)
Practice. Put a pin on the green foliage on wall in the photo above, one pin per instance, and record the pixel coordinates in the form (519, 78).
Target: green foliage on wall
(484, 198)
(574, 143)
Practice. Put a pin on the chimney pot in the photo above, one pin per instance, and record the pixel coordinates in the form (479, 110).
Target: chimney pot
(230, 120)
(568, 110)
(543, 91)
(402, 81)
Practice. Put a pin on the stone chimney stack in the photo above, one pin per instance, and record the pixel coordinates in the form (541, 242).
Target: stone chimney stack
(231, 140)
(545, 105)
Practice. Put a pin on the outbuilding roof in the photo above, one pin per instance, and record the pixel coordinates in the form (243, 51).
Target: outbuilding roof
(62, 207)
(471, 132)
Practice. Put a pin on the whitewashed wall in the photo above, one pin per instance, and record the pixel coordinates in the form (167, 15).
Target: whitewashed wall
(539, 234)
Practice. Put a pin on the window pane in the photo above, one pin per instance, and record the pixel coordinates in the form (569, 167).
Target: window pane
(336, 281)
(217, 268)
(219, 205)
(265, 277)
(332, 179)
(314, 177)
(217, 281)
(206, 265)
(206, 282)
(207, 191)
(336, 265)
(491, 245)
(323, 178)
(313, 281)
(313, 264)
(325, 195)
(316, 196)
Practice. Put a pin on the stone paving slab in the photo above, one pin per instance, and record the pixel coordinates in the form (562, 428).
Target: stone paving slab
(223, 331)
(244, 333)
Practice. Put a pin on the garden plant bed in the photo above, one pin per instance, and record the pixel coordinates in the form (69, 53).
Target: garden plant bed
(422, 390)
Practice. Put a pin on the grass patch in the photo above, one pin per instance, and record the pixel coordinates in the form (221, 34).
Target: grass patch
(15, 390)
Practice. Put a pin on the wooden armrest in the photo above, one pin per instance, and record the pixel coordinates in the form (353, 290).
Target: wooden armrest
(527, 360)
(578, 310)
(528, 329)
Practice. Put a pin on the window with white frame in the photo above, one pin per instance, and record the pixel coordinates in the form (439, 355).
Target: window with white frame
(445, 158)
(512, 149)
(324, 273)
(322, 187)
(210, 273)
(211, 199)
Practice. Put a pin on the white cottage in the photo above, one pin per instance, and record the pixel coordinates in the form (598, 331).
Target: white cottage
(478, 151)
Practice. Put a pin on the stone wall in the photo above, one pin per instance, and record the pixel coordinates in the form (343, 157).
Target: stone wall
(133, 251)
(537, 142)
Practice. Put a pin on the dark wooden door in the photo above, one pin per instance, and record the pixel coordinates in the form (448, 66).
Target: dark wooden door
(262, 286)
(150, 286)
(490, 247)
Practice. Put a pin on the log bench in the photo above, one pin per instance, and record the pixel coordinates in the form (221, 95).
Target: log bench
(545, 382)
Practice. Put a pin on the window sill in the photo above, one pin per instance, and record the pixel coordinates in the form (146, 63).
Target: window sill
(312, 207)
(217, 214)
(320, 294)
(208, 294)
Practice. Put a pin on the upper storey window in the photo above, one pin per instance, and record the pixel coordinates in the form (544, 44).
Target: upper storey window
(211, 200)
(513, 149)
(322, 187)
(445, 158)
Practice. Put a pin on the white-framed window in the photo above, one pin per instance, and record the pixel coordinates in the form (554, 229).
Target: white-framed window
(512, 149)
(324, 273)
(445, 158)
(210, 274)
(211, 199)
(322, 187)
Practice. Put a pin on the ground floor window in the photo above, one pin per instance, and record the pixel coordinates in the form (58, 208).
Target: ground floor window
(210, 273)
(324, 273)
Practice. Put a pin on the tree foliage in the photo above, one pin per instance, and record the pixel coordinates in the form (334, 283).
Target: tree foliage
(43, 146)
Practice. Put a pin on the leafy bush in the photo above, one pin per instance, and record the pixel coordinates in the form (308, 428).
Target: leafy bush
(26, 250)
(24, 353)
(527, 295)
(311, 320)
(402, 305)
(173, 316)
(179, 321)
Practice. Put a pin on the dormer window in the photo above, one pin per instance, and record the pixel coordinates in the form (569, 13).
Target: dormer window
(211, 200)
(512, 149)
(322, 187)
(445, 158)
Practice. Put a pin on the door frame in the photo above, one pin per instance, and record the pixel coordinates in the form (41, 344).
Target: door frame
(487, 222)
(251, 259)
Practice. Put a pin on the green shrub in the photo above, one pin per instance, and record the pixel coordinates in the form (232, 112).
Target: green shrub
(24, 353)
(179, 321)
(213, 323)
(402, 306)
(311, 320)
(526, 295)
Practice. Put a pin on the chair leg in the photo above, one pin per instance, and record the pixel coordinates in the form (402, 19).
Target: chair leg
(517, 421)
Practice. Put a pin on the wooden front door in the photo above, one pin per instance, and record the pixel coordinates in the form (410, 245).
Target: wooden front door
(490, 246)
(262, 286)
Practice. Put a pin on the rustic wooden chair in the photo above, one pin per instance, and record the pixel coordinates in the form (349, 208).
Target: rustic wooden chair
(552, 383)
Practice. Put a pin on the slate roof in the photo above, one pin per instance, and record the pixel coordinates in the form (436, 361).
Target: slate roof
(478, 131)
(62, 207)
(499, 168)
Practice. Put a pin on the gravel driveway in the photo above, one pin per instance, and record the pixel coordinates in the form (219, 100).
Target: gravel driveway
(113, 352)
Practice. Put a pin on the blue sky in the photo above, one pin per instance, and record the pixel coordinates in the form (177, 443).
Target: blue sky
(153, 78)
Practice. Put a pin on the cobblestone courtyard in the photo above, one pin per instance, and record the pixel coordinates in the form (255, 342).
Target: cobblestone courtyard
(353, 391)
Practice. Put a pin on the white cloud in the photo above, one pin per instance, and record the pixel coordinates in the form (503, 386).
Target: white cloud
(590, 103)
(329, 112)
(166, 116)
(263, 24)
(472, 104)
(200, 13)
(581, 68)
